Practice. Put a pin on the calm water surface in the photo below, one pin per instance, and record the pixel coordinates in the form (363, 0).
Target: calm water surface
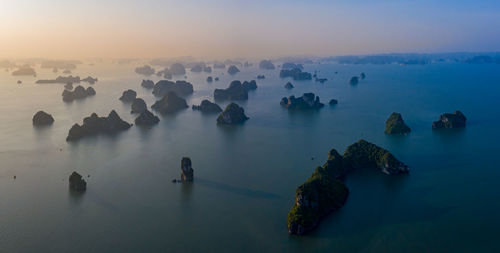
(246, 176)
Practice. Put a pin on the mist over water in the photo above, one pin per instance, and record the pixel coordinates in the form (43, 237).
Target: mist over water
(246, 176)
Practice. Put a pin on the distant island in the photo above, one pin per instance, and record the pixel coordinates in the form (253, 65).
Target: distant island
(266, 64)
(232, 70)
(68, 79)
(24, 70)
(295, 73)
(181, 88)
(145, 70)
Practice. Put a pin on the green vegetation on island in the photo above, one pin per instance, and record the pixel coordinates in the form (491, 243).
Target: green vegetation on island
(396, 125)
(324, 192)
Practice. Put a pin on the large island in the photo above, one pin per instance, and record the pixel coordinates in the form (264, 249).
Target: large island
(324, 192)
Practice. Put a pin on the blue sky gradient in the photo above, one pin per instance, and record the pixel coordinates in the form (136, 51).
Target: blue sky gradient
(223, 28)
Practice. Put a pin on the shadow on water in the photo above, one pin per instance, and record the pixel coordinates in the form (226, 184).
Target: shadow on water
(42, 132)
(449, 135)
(308, 115)
(231, 130)
(236, 190)
(187, 190)
(376, 200)
(76, 197)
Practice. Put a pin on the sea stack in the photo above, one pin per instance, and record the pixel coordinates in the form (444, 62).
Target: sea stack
(76, 182)
(396, 125)
(42, 118)
(187, 171)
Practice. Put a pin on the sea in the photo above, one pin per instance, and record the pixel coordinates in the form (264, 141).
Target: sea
(245, 176)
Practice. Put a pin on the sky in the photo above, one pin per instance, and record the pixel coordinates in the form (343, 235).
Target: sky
(251, 29)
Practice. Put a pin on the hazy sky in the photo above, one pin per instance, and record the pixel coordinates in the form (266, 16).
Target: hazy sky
(253, 28)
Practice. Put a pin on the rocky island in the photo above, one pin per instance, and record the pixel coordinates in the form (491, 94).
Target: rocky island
(68, 79)
(138, 106)
(296, 74)
(145, 70)
(170, 103)
(94, 125)
(76, 182)
(333, 102)
(307, 101)
(128, 96)
(289, 85)
(363, 154)
(324, 192)
(249, 85)
(177, 69)
(233, 114)
(232, 70)
(235, 91)
(25, 70)
(354, 80)
(450, 120)
(219, 65)
(266, 64)
(148, 84)
(42, 118)
(146, 118)
(181, 88)
(290, 65)
(207, 107)
(78, 93)
(396, 125)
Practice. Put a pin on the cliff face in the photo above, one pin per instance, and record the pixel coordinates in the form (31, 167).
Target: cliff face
(320, 195)
(324, 192)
